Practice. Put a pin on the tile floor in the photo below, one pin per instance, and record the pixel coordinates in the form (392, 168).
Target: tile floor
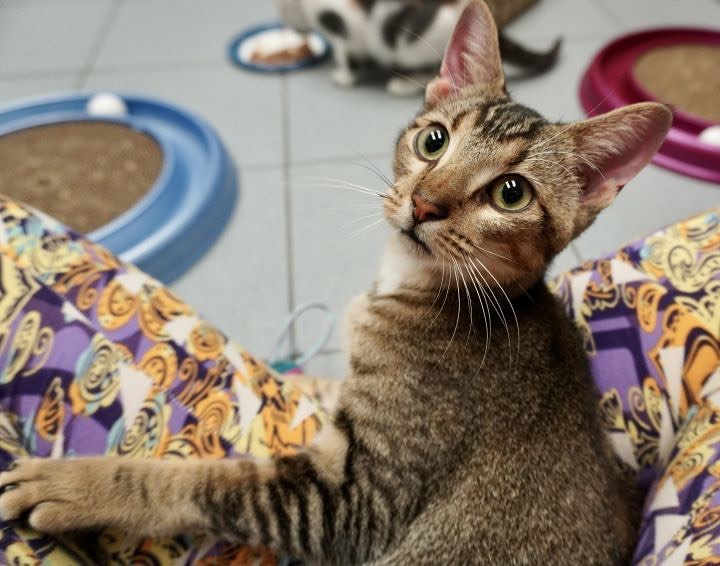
(290, 240)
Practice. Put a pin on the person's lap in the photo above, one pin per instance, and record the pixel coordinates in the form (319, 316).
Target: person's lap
(98, 358)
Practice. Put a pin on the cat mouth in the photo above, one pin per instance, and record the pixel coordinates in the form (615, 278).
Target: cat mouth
(414, 237)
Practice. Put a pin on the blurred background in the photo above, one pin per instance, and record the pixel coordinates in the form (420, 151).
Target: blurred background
(291, 238)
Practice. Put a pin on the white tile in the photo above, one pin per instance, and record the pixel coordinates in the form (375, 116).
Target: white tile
(240, 285)
(42, 2)
(329, 122)
(639, 14)
(550, 19)
(654, 199)
(179, 31)
(331, 266)
(11, 90)
(245, 109)
(48, 37)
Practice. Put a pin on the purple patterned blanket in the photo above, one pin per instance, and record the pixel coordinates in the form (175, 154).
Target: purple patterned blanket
(97, 357)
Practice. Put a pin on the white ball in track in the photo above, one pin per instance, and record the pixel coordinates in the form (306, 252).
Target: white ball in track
(711, 136)
(106, 105)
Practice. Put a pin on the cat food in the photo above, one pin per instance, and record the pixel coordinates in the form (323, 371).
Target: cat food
(280, 47)
(283, 56)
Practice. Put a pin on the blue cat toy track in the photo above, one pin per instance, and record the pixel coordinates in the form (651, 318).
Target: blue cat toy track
(192, 199)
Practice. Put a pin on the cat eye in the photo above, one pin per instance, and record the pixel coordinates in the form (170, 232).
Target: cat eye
(510, 192)
(432, 142)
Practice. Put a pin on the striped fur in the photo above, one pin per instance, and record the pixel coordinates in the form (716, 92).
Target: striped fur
(467, 430)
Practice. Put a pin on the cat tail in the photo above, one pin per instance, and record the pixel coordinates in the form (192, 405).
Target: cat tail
(532, 62)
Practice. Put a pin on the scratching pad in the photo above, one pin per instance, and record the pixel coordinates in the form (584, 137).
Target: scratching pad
(686, 76)
(84, 174)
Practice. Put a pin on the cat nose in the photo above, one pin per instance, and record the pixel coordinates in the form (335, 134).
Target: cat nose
(423, 211)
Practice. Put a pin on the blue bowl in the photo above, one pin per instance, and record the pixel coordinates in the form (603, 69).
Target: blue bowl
(192, 199)
(237, 42)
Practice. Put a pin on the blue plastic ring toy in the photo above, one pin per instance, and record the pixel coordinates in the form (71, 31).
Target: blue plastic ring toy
(192, 199)
(234, 52)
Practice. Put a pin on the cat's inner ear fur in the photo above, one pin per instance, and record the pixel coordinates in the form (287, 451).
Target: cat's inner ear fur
(472, 57)
(611, 149)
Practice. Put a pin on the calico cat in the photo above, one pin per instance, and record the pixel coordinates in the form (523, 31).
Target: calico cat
(467, 431)
(402, 38)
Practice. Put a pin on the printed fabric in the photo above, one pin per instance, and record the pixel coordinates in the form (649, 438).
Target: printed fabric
(98, 358)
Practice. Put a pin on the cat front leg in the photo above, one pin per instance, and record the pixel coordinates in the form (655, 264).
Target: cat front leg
(141, 497)
(316, 505)
(343, 74)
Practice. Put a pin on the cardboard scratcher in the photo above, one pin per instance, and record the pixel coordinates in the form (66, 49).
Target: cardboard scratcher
(677, 66)
(148, 180)
(84, 174)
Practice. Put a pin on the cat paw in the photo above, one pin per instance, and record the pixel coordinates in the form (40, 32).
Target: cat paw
(50, 493)
(399, 86)
(343, 77)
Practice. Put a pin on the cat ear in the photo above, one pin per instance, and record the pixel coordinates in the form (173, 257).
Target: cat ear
(471, 58)
(614, 147)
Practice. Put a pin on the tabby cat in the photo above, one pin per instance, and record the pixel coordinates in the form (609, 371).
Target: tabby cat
(455, 440)
(402, 38)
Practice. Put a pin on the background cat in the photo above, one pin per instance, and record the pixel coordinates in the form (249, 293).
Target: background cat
(403, 38)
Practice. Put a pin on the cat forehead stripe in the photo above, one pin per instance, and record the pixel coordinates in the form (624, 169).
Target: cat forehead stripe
(505, 120)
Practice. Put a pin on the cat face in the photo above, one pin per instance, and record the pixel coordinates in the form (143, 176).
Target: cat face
(488, 186)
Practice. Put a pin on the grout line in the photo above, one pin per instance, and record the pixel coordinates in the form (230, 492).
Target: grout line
(47, 74)
(256, 167)
(610, 14)
(339, 159)
(161, 66)
(287, 198)
(98, 44)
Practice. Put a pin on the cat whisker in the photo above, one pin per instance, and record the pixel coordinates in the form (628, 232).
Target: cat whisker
(457, 319)
(486, 319)
(408, 78)
(488, 293)
(374, 168)
(590, 113)
(456, 268)
(493, 301)
(432, 48)
(378, 174)
(364, 230)
(469, 302)
(490, 252)
(349, 185)
(512, 309)
(555, 163)
(336, 188)
(447, 292)
(585, 159)
(359, 219)
(372, 205)
(524, 290)
(437, 295)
